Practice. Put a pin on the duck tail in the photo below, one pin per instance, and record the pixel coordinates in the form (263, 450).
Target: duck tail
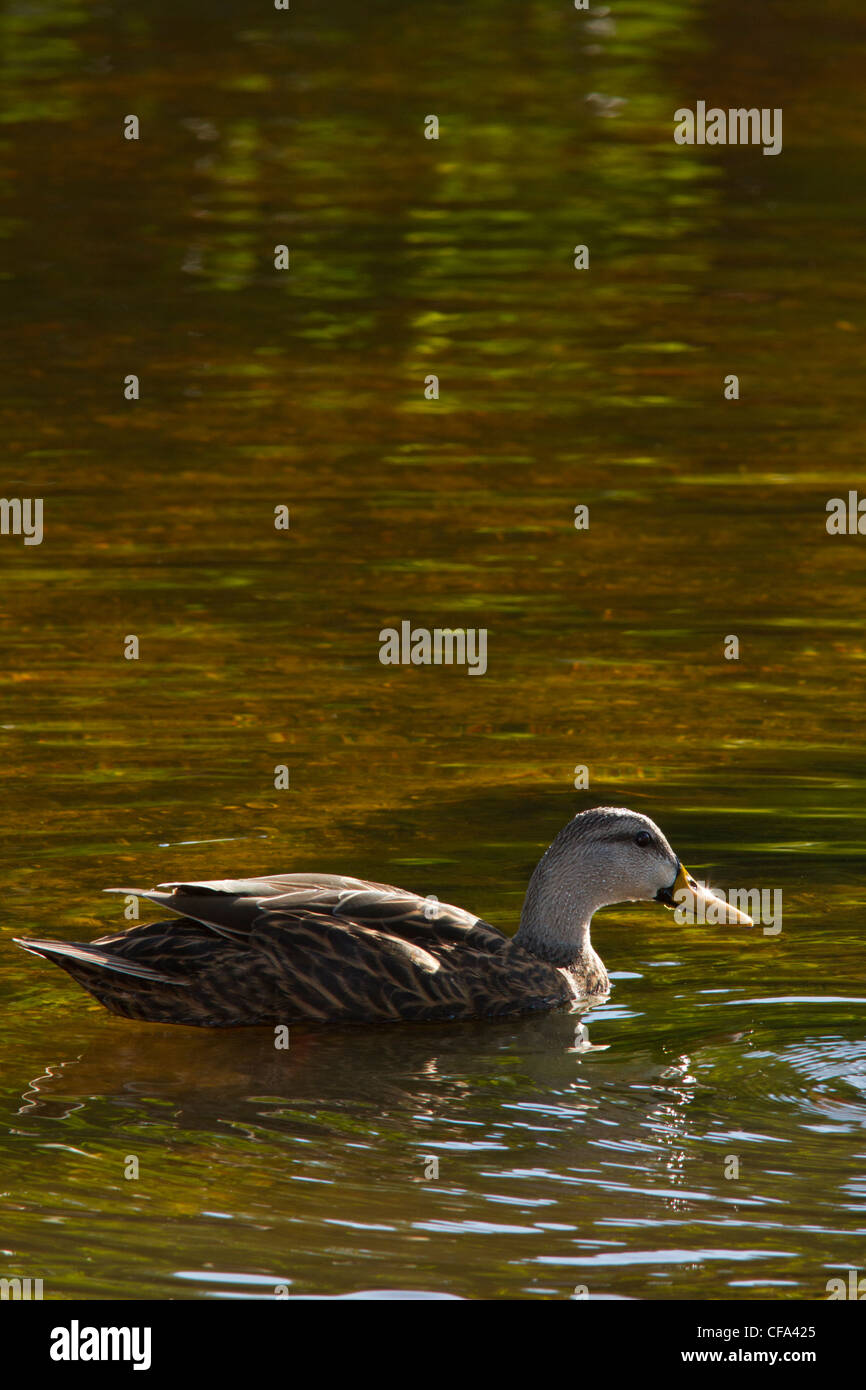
(124, 987)
(71, 954)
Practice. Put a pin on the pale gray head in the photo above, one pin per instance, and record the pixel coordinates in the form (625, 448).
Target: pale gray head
(604, 856)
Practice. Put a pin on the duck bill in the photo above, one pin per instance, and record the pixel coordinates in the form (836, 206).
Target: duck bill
(694, 899)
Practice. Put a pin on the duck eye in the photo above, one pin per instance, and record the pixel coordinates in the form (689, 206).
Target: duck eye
(643, 838)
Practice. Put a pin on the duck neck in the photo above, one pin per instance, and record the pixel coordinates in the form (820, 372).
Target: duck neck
(554, 923)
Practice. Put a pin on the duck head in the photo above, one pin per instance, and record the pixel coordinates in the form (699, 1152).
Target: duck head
(605, 856)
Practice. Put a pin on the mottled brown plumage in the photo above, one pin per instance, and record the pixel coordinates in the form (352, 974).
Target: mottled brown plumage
(321, 947)
(309, 947)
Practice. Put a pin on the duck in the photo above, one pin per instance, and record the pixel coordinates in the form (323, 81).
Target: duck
(297, 948)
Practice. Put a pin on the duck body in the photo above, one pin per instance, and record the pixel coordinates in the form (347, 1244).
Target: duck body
(329, 949)
(314, 947)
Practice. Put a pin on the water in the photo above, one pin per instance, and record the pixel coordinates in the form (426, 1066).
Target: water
(561, 1165)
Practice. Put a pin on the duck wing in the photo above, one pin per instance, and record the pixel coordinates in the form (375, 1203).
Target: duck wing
(234, 907)
(281, 949)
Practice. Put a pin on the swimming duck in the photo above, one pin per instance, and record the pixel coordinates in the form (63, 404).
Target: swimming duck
(321, 947)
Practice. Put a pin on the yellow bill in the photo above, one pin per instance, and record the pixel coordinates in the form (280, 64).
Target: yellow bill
(701, 903)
